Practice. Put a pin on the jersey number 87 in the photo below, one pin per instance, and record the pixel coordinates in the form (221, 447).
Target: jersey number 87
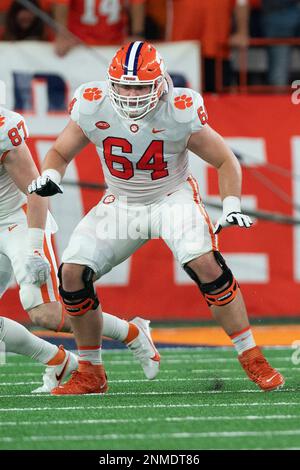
(14, 135)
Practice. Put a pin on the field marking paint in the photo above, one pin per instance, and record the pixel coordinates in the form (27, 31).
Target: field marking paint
(167, 419)
(120, 407)
(153, 436)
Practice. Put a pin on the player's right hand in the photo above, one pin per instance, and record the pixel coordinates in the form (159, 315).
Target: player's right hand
(37, 267)
(44, 186)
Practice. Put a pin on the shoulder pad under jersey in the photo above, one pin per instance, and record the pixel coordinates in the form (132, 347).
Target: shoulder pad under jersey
(184, 104)
(13, 130)
(87, 99)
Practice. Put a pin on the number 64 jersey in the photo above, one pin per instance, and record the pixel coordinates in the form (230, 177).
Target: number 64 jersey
(146, 159)
(13, 132)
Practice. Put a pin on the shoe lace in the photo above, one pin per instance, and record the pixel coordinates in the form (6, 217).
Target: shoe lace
(260, 366)
(79, 377)
(76, 378)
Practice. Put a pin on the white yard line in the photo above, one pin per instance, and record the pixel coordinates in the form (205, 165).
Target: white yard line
(139, 372)
(173, 349)
(153, 393)
(164, 361)
(149, 420)
(9, 384)
(153, 436)
(123, 381)
(163, 406)
(20, 374)
(234, 371)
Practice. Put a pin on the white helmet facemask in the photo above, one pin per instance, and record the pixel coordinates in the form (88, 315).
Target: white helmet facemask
(134, 107)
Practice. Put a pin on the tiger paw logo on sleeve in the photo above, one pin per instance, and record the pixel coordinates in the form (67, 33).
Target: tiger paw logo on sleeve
(92, 94)
(183, 102)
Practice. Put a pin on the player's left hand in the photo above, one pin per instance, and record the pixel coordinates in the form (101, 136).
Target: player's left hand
(36, 264)
(232, 215)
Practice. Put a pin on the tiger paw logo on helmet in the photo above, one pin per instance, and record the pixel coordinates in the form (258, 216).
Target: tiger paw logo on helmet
(2, 121)
(92, 94)
(183, 102)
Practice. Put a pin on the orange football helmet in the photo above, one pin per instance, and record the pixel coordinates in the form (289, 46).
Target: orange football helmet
(136, 64)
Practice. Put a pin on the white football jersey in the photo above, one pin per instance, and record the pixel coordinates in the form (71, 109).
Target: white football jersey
(13, 132)
(147, 159)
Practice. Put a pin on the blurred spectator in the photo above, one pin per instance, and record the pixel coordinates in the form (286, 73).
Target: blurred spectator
(45, 5)
(156, 18)
(4, 7)
(99, 22)
(255, 19)
(19, 23)
(280, 19)
(209, 22)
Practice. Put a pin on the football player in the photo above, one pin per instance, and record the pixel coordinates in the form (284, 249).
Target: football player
(142, 128)
(25, 250)
(59, 362)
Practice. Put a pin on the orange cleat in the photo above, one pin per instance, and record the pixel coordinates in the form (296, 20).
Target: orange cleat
(259, 370)
(88, 379)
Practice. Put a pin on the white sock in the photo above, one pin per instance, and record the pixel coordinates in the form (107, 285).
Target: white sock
(114, 327)
(90, 354)
(243, 340)
(17, 339)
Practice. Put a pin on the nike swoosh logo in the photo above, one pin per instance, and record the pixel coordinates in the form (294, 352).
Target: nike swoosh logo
(269, 380)
(156, 356)
(12, 227)
(155, 131)
(60, 376)
(36, 252)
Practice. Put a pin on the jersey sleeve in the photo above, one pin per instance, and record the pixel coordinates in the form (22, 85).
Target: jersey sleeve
(73, 108)
(200, 117)
(13, 132)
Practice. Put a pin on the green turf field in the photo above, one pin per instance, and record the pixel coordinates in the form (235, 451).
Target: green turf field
(200, 400)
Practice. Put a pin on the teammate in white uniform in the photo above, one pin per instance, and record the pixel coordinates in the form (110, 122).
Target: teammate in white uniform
(26, 251)
(142, 128)
(19, 244)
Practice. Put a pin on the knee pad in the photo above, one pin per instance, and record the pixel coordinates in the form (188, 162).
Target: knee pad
(226, 284)
(81, 301)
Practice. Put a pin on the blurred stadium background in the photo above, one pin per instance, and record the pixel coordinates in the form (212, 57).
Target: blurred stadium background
(258, 118)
